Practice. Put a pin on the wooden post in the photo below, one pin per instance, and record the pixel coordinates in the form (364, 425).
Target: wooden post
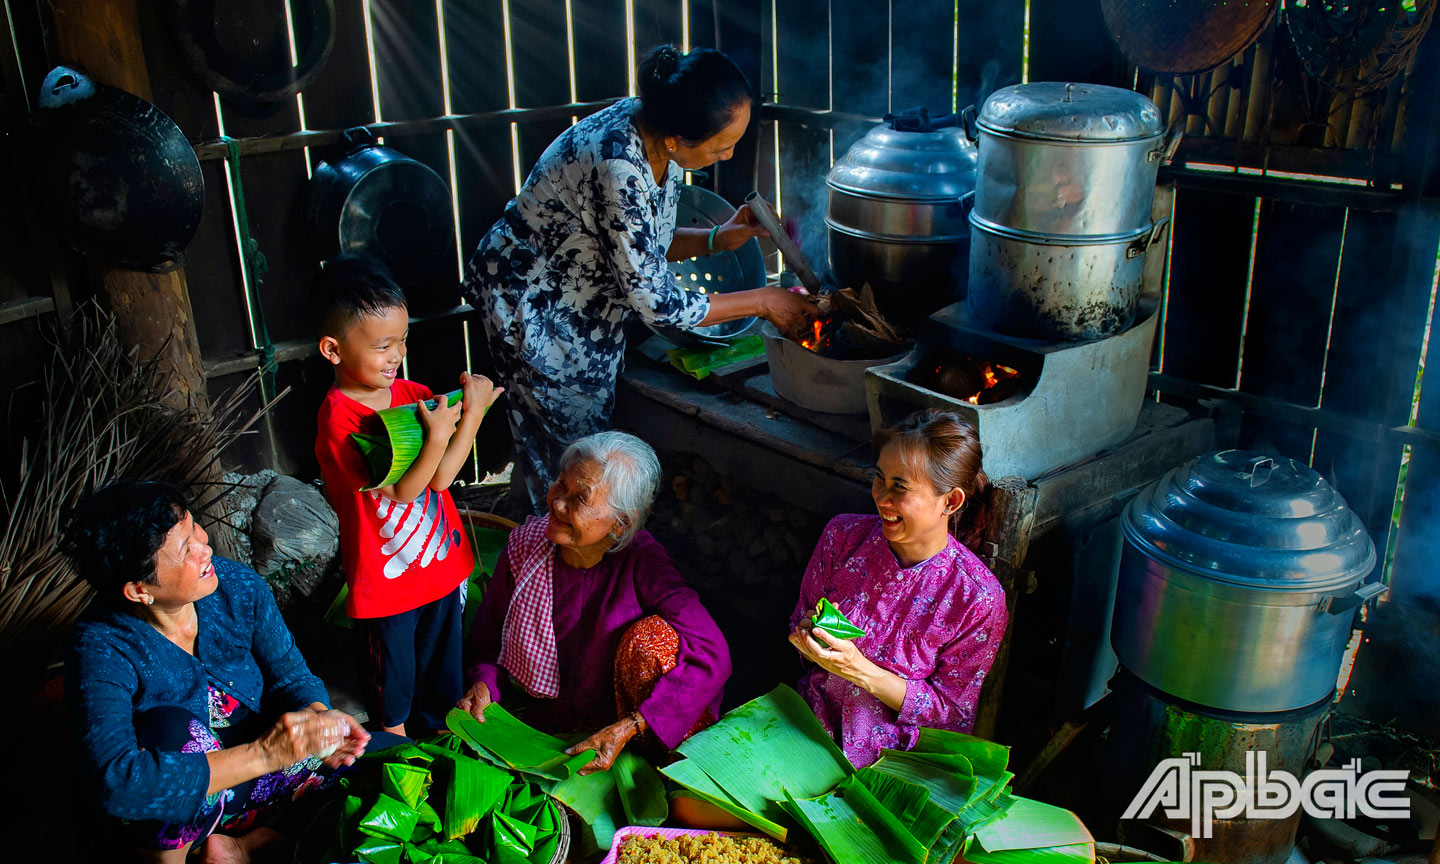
(1006, 542)
(152, 310)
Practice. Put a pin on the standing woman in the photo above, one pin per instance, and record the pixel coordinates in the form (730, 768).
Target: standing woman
(582, 250)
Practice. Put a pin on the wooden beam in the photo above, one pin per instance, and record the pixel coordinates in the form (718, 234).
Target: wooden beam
(152, 310)
(1003, 549)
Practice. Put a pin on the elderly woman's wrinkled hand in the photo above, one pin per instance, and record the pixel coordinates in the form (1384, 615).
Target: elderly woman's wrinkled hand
(354, 744)
(607, 744)
(475, 700)
(297, 735)
(834, 655)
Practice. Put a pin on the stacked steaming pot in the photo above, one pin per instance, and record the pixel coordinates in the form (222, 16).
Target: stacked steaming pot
(1061, 222)
(1238, 584)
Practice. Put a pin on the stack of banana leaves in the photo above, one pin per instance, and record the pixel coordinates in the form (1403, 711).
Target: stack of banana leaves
(771, 764)
(485, 794)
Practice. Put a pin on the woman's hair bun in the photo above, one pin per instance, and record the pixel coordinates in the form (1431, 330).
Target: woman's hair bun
(693, 95)
(666, 59)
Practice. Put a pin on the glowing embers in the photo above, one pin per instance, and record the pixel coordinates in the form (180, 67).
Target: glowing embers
(979, 382)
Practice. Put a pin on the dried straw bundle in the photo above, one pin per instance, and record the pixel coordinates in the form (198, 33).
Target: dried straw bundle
(106, 415)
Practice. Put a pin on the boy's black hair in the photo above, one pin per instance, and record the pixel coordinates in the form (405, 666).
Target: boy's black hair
(113, 534)
(348, 288)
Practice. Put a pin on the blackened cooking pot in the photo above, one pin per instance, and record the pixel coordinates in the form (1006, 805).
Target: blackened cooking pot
(123, 181)
(378, 201)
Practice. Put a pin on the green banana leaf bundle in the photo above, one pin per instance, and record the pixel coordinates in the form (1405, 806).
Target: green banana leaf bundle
(390, 454)
(630, 793)
(434, 803)
(771, 764)
(830, 619)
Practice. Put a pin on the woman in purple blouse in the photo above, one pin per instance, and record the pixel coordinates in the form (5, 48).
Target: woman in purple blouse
(932, 613)
(586, 618)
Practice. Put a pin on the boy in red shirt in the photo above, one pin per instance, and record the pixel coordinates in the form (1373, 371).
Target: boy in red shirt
(404, 548)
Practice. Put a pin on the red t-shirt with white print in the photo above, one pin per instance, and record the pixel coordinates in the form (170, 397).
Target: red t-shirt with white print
(397, 556)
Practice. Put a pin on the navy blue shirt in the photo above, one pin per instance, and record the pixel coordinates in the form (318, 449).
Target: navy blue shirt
(120, 666)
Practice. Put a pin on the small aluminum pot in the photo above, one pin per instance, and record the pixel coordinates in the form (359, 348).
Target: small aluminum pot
(814, 381)
(1056, 287)
(1238, 583)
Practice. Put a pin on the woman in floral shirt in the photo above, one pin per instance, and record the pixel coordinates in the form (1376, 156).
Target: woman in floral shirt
(932, 613)
(582, 250)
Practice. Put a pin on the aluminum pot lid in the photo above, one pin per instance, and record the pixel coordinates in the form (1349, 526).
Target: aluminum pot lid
(915, 166)
(1248, 518)
(1062, 111)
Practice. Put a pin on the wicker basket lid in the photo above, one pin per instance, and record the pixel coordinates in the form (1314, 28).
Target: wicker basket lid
(1183, 37)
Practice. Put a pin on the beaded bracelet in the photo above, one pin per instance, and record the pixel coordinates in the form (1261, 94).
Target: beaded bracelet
(710, 240)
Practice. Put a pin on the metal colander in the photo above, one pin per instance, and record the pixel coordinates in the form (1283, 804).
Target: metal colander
(720, 273)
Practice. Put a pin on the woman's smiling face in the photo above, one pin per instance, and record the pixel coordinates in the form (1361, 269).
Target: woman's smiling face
(580, 513)
(184, 572)
(911, 510)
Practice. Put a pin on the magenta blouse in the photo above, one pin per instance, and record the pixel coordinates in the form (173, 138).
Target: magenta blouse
(937, 625)
(592, 610)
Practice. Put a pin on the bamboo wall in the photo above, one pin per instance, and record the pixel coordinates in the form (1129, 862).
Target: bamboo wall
(1301, 278)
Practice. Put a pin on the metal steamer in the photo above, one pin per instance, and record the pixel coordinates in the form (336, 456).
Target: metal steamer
(1061, 224)
(1239, 579)
(896, 214)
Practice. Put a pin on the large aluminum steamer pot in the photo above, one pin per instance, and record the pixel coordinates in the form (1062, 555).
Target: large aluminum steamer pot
(1056, 287)
(896, 217)
(1069, 159)
(1238, 583)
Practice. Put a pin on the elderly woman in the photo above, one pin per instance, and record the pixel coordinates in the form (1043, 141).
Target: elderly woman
(588, 617)
(580, 253)
(193, 709)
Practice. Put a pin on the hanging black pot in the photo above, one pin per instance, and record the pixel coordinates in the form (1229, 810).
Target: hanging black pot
(123, 182)
(220, 44)
(380, 202)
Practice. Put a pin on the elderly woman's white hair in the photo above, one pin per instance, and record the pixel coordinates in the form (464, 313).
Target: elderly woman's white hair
(630, 472)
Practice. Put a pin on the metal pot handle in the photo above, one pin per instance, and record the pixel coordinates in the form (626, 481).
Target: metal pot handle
(1166, 151)
(1139, 247)
(967, 202)
(969, 125)
(358, 136)
(1362, 595)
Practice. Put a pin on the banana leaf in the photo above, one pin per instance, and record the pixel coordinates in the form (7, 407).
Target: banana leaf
(987, 757)
(377, 851)
(389, 819)
(830, 619)
(642, 792)
(1030, 824)
(910, 803)
(389, 454)
(767, 749)
(948, 789)
(511, 834)
(403, 782)
(516, 744)
(697, 782)
(853, 828)
(466, 790)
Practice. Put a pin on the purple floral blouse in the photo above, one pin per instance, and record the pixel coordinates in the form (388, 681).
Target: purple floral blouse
(937, 625)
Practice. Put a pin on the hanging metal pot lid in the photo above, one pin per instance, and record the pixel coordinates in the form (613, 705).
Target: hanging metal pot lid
(933, 161)
(246, 57)
(1059, 111)
(1251, 519)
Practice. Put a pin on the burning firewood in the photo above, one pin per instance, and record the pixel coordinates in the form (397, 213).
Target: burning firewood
(863, 321)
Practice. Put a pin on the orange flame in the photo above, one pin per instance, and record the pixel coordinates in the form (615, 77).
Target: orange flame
(813, 344)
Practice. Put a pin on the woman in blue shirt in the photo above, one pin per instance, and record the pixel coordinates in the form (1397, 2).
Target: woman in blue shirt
(175, 678)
